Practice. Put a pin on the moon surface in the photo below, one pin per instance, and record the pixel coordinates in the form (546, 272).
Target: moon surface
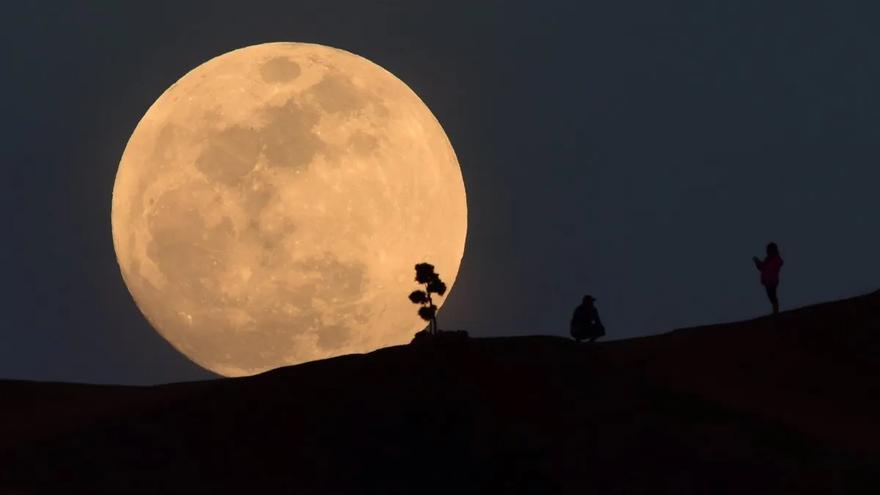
(270, 207)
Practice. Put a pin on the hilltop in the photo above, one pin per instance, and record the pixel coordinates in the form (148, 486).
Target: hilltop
(785, 404)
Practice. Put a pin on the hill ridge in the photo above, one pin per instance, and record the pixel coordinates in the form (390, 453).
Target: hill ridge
(782, 404)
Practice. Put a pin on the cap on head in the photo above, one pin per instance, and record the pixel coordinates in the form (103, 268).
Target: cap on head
(588, 299)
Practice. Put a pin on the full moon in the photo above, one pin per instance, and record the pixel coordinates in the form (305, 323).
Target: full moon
(270, 206)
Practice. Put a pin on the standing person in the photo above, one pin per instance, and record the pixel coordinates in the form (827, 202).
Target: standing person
(585, 323)
(769, 268)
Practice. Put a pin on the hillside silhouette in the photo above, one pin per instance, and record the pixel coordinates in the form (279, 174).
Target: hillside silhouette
(782, 404)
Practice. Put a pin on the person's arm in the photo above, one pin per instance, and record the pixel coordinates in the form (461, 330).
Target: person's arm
(758, 263)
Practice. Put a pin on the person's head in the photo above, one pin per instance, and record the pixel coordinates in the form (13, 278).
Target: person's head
(588, 300)
(772, 249)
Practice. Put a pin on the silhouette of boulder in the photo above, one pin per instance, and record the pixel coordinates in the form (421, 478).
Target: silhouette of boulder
(425, 337)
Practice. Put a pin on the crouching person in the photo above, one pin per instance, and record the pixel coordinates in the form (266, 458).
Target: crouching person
(585, 323)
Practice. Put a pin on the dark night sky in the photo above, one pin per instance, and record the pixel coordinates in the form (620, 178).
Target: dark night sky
(642, 151)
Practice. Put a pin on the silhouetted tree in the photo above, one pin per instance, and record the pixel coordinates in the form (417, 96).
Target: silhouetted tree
(433, 285)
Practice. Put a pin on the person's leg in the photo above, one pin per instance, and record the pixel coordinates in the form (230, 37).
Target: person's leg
(774, 299)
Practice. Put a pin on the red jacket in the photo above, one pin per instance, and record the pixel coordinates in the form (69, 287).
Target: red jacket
(770, 269)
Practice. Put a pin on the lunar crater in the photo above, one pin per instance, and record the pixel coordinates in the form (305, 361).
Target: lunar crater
(289, 139)
(279, 70)
(336, 93)
(230, 154)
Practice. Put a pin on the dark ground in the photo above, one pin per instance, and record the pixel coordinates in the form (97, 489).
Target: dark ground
(775, 405)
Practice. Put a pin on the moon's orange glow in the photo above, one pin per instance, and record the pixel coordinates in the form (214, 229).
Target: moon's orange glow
(271, 204)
